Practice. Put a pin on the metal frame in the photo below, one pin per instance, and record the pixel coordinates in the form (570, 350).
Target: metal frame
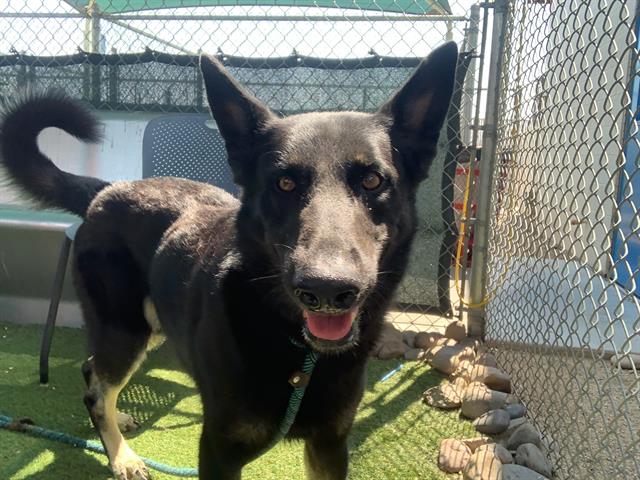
(481, 224)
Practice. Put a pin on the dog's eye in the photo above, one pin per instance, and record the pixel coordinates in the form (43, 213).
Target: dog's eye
(286, 184)
(372, 180)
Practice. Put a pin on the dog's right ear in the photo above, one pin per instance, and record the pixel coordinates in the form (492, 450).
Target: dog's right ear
(238, 114)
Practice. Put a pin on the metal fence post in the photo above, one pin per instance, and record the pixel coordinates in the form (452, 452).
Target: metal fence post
(478, 282)
(471, 45)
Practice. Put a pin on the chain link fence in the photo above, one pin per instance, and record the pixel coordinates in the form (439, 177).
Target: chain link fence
(139, 58)
(563, 314)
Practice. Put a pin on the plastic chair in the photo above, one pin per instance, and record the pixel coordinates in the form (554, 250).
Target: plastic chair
(187, 146)
(180, 145)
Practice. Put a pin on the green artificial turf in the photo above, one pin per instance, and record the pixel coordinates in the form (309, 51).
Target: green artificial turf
(395, 435)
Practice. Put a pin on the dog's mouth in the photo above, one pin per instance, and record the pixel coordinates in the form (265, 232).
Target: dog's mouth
(331, 331)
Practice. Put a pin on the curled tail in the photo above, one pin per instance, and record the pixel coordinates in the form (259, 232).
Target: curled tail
(21, 121)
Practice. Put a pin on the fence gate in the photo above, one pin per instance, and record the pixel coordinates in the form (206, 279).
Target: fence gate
(563, 311)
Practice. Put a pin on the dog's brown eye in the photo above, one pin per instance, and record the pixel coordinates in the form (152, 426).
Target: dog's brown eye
(372, 180)
(286, 184)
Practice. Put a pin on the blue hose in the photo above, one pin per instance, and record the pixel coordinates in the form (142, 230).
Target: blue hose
(6, 422)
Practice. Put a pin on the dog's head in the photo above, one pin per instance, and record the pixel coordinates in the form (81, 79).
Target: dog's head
(329, 197)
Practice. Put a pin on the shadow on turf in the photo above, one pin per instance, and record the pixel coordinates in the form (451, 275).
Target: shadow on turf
(59, 406)
(387, 411)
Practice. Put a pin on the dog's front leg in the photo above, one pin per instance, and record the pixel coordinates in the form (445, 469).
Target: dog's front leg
(222, 458)
(326, 457)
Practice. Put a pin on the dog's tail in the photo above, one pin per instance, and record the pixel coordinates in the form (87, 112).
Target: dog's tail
(21, 121)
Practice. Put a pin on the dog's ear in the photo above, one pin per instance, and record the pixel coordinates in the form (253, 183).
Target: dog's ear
(418, 110)
(238, 114)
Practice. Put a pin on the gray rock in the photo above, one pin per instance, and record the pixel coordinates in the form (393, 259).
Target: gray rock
(518, 472)
(516, 410)
(479, 399)
(483, 465)
(530, 456)
(513, 425)
(497, 451)
(627, 362)
(525, 433)
(492, 422)
(456, 330)
(443, 396)
(511, 399)
(413, 354)
(426, 340)
(409, 338)
(453, 456)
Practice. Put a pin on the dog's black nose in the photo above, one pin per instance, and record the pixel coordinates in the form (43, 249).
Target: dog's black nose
(345, 300)
(323, 293)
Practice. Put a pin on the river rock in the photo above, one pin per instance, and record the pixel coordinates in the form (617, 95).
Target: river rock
(476, 442)
(446, 359)
(479, 399)
(473, 343)
(487, 359)
(390, 344)
(516, 410)
(413, 354)
(392, 350)
(525, 433)
(483, 465)
(498, 451)
(456, 330)
(426, 340)
(513, 426)
(492, 422)
(453, 456)
(409, 338)
(530, 456)
(464, 370)
(443, 396)
(518, 472)
(460, 385)
(492, 377)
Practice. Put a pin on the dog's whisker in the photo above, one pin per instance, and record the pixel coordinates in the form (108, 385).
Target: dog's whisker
(266, 277)
(284, 246)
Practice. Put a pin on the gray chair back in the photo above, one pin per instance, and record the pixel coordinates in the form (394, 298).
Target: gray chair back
(187, 146)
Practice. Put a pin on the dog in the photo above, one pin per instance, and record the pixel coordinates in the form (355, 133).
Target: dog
(307, 258)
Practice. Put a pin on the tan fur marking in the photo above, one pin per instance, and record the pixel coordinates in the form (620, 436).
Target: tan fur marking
(157, 338)
(124, 463)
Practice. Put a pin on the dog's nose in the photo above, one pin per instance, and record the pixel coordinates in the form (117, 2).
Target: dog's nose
(323, 293)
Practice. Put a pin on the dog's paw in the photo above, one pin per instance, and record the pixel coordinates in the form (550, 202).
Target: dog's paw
(128, 466)
(126, 423)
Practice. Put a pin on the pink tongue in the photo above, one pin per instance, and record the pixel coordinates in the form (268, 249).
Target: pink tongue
(330, 327)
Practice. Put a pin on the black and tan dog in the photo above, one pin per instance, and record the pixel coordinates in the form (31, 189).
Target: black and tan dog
(312, 252)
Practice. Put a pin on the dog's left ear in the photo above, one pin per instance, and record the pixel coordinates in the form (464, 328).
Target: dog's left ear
(418, 110)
